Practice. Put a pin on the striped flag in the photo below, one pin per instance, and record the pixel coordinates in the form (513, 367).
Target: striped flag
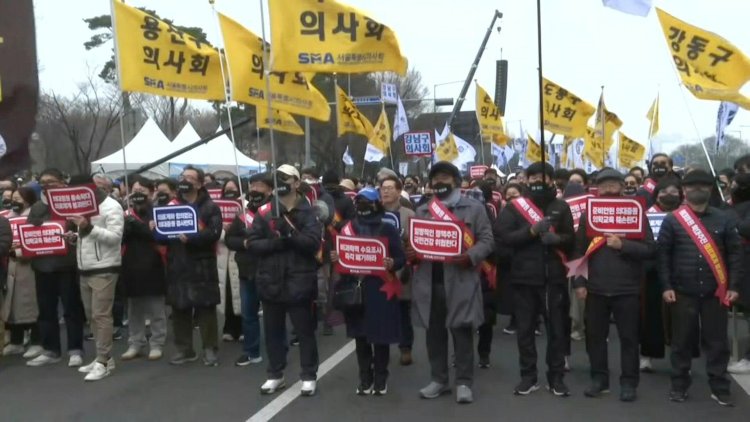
(727, 111)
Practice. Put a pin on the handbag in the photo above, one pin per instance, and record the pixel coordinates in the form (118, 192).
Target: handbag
(347, 294)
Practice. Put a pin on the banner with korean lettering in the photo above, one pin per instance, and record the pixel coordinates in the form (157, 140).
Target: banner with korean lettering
(156, 58)
(282, 121)
(577, 206)
(489, 117)
(45, 239)
(328, 36)
(622, 216)
(230, 208)
(612, 124)
(447, 150)
(381, 136)
(534, 150)
(564, 112)
(435, 240)
(175, 220)
(361, 255)
(72, 201)
(15, 222)
(710, 66)
(593, 149)
(631, 152)
(349, 119)
(289, 91)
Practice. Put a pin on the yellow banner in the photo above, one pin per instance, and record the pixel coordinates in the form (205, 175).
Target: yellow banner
(282, 121)
(534, 150)
(593, 150)
(489, 117)
(290, 92)
(448, 150)
(349, 119)
(653, 118)
(382, 134)
(709, 65)
(565, 113)
(630, 152)
(567, 142)
(327, 36)
(612, 124)
(156, 58)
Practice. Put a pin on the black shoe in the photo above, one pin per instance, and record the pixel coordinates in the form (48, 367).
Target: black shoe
(724, 399)
(484, 362)
(627, 394)
(509, 330)
(364, 388)
(677, 396)
(380, 388)
(183, 358)
(596, 390)
(526, 387)
(558, 388)
(294, 341)
(117, 334)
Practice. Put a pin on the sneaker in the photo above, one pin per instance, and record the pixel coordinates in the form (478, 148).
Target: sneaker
(90, 367)
(509, 330)
(13, 349)
(380, 389)
(406, 358)
(677, 396)
(484, 362)
(558, 388)
(272, 386)
(327, 330)
(182, 358)
(98, 371)
(33, 352)
(227, 337)
(739, 367)
(74, 361)
(43, 359)
(537, 332)
(464, 394)
(294, 341)
(526, 387)
(245, 360)
(627, 394)
(155, 354)
(596, 390)
(364, 388)
(434, 390)
(117, 334)
(576, 336)
(210, 358)
(724, 399)
(645, 365)
(131, 353)
(308, 388)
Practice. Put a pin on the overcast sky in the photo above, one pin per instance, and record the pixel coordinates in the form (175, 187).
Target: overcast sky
(585, 46)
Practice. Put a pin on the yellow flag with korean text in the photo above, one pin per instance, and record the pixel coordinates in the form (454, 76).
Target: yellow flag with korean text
(154, 57)
(612, 124)
(564, 113)
(382, 133)
(630, 152)
(710, 66)
(653, 118)
(534, 150)
(349, 119)
(489, 118)
(593, 148)
(290, 91)
(282, 120)
(328, 36)
(447, 150)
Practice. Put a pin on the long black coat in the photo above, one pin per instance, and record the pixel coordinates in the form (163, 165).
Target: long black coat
(142, 271)
(742, 213)
(192, 276)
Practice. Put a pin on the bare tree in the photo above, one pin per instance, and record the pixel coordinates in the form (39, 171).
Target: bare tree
(410, 87)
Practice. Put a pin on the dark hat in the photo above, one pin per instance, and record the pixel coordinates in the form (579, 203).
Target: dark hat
(609, 174)
(447, 168)
(331, 178)
(539, 168)
(698, 177)
(263, 178)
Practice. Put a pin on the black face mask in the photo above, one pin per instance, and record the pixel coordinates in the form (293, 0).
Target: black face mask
(138, 199)
(409, 186)
(17, 207)
(541, 193)
(442, 190)
(6, 204)
(366, 209)
(162, 198)
(670, 201)
(630, 191)
(659, 171)
(283, 188)
(255, 199)
(185, 187)
(231, 194)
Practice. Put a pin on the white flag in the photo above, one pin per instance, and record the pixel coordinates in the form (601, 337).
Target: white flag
(373, 154)
(727, 111)
(401, 123)
(466, 153)
(347, 158)
(3, 147)
(632, 7)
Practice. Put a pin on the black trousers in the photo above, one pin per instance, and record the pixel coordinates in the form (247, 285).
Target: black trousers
(625, 308)
(554, 304)
(484, 343)
(407, 330)
(17, 332)
(232, 322)
(686, 314)
(63, 287)
(373, 361)
(303, 322)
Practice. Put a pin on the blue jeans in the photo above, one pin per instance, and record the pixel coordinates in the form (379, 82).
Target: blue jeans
(250, 321)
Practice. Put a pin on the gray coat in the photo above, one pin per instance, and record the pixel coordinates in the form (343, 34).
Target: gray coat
(463, 289)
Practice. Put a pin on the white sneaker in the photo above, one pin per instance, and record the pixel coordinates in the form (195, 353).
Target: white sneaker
(271, 386)
(98, 372)
(33, 352)
(646, 365)
(75, 361)
(154, 354)
(43, 360)
(227, 337)
(90, 367)
(739, 367)
(131, 353)
(257, 360)
(12, 349)
(308, 388)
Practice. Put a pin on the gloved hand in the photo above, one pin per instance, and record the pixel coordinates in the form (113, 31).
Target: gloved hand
(541, 227)
(462, 260)
(550, 239)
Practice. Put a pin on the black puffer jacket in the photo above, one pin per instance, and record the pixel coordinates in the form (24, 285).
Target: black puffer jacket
(192, 276)
(143, 272)
(682, 266)
(344, 206)
(613, 272)
(529, 254)
(38, 214)
(287, 267)
(741, 212)
(247, 262)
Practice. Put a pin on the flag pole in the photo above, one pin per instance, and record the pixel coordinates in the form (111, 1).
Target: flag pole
(267, 73)
(122, 108)
(651, 127)
(603, 119)
(541, 82)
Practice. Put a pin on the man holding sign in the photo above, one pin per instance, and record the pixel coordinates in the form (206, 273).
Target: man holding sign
(447, 294)
(700, 266)
(611, 286)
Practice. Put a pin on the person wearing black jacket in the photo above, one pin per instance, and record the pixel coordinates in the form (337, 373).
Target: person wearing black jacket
(261, 186)
(192, 275)
(287, 242)
(612, 288)
(690, 287)
(740, 198)
(660, 168)
(539, 276)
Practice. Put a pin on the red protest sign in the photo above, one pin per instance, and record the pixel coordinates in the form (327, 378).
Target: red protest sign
(4, 213)
(615, 215)
(577, 206)
(229, 209)
(497, 197)
(72, 201)
(435, 240)
(361, 255)
(214, 193)
(594, 190)
(46, 239)
(477, 172)
(14, 223)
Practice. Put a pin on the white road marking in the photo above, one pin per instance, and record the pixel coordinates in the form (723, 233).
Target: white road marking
(282, 401)
(743, 381)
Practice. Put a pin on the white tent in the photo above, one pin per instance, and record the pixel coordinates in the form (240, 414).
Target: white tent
(216, 155)
(148, 145)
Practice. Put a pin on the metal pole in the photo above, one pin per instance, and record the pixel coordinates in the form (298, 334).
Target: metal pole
(122, 110)
(541, 84)
(308, 160)
(603, 118)
(270, 110)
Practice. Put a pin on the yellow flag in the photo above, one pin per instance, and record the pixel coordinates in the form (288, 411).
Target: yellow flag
(709, 65)
(567, 142)
(327, 36)
(448, 150)
(349, 119)
(631, 152)
(612, 124)
(534, 150)
(282, 121)
(564, 112)
(290, 91)
(156, 58)
(489, 118)
(653, 118)
(593, 148)
(382, 133)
